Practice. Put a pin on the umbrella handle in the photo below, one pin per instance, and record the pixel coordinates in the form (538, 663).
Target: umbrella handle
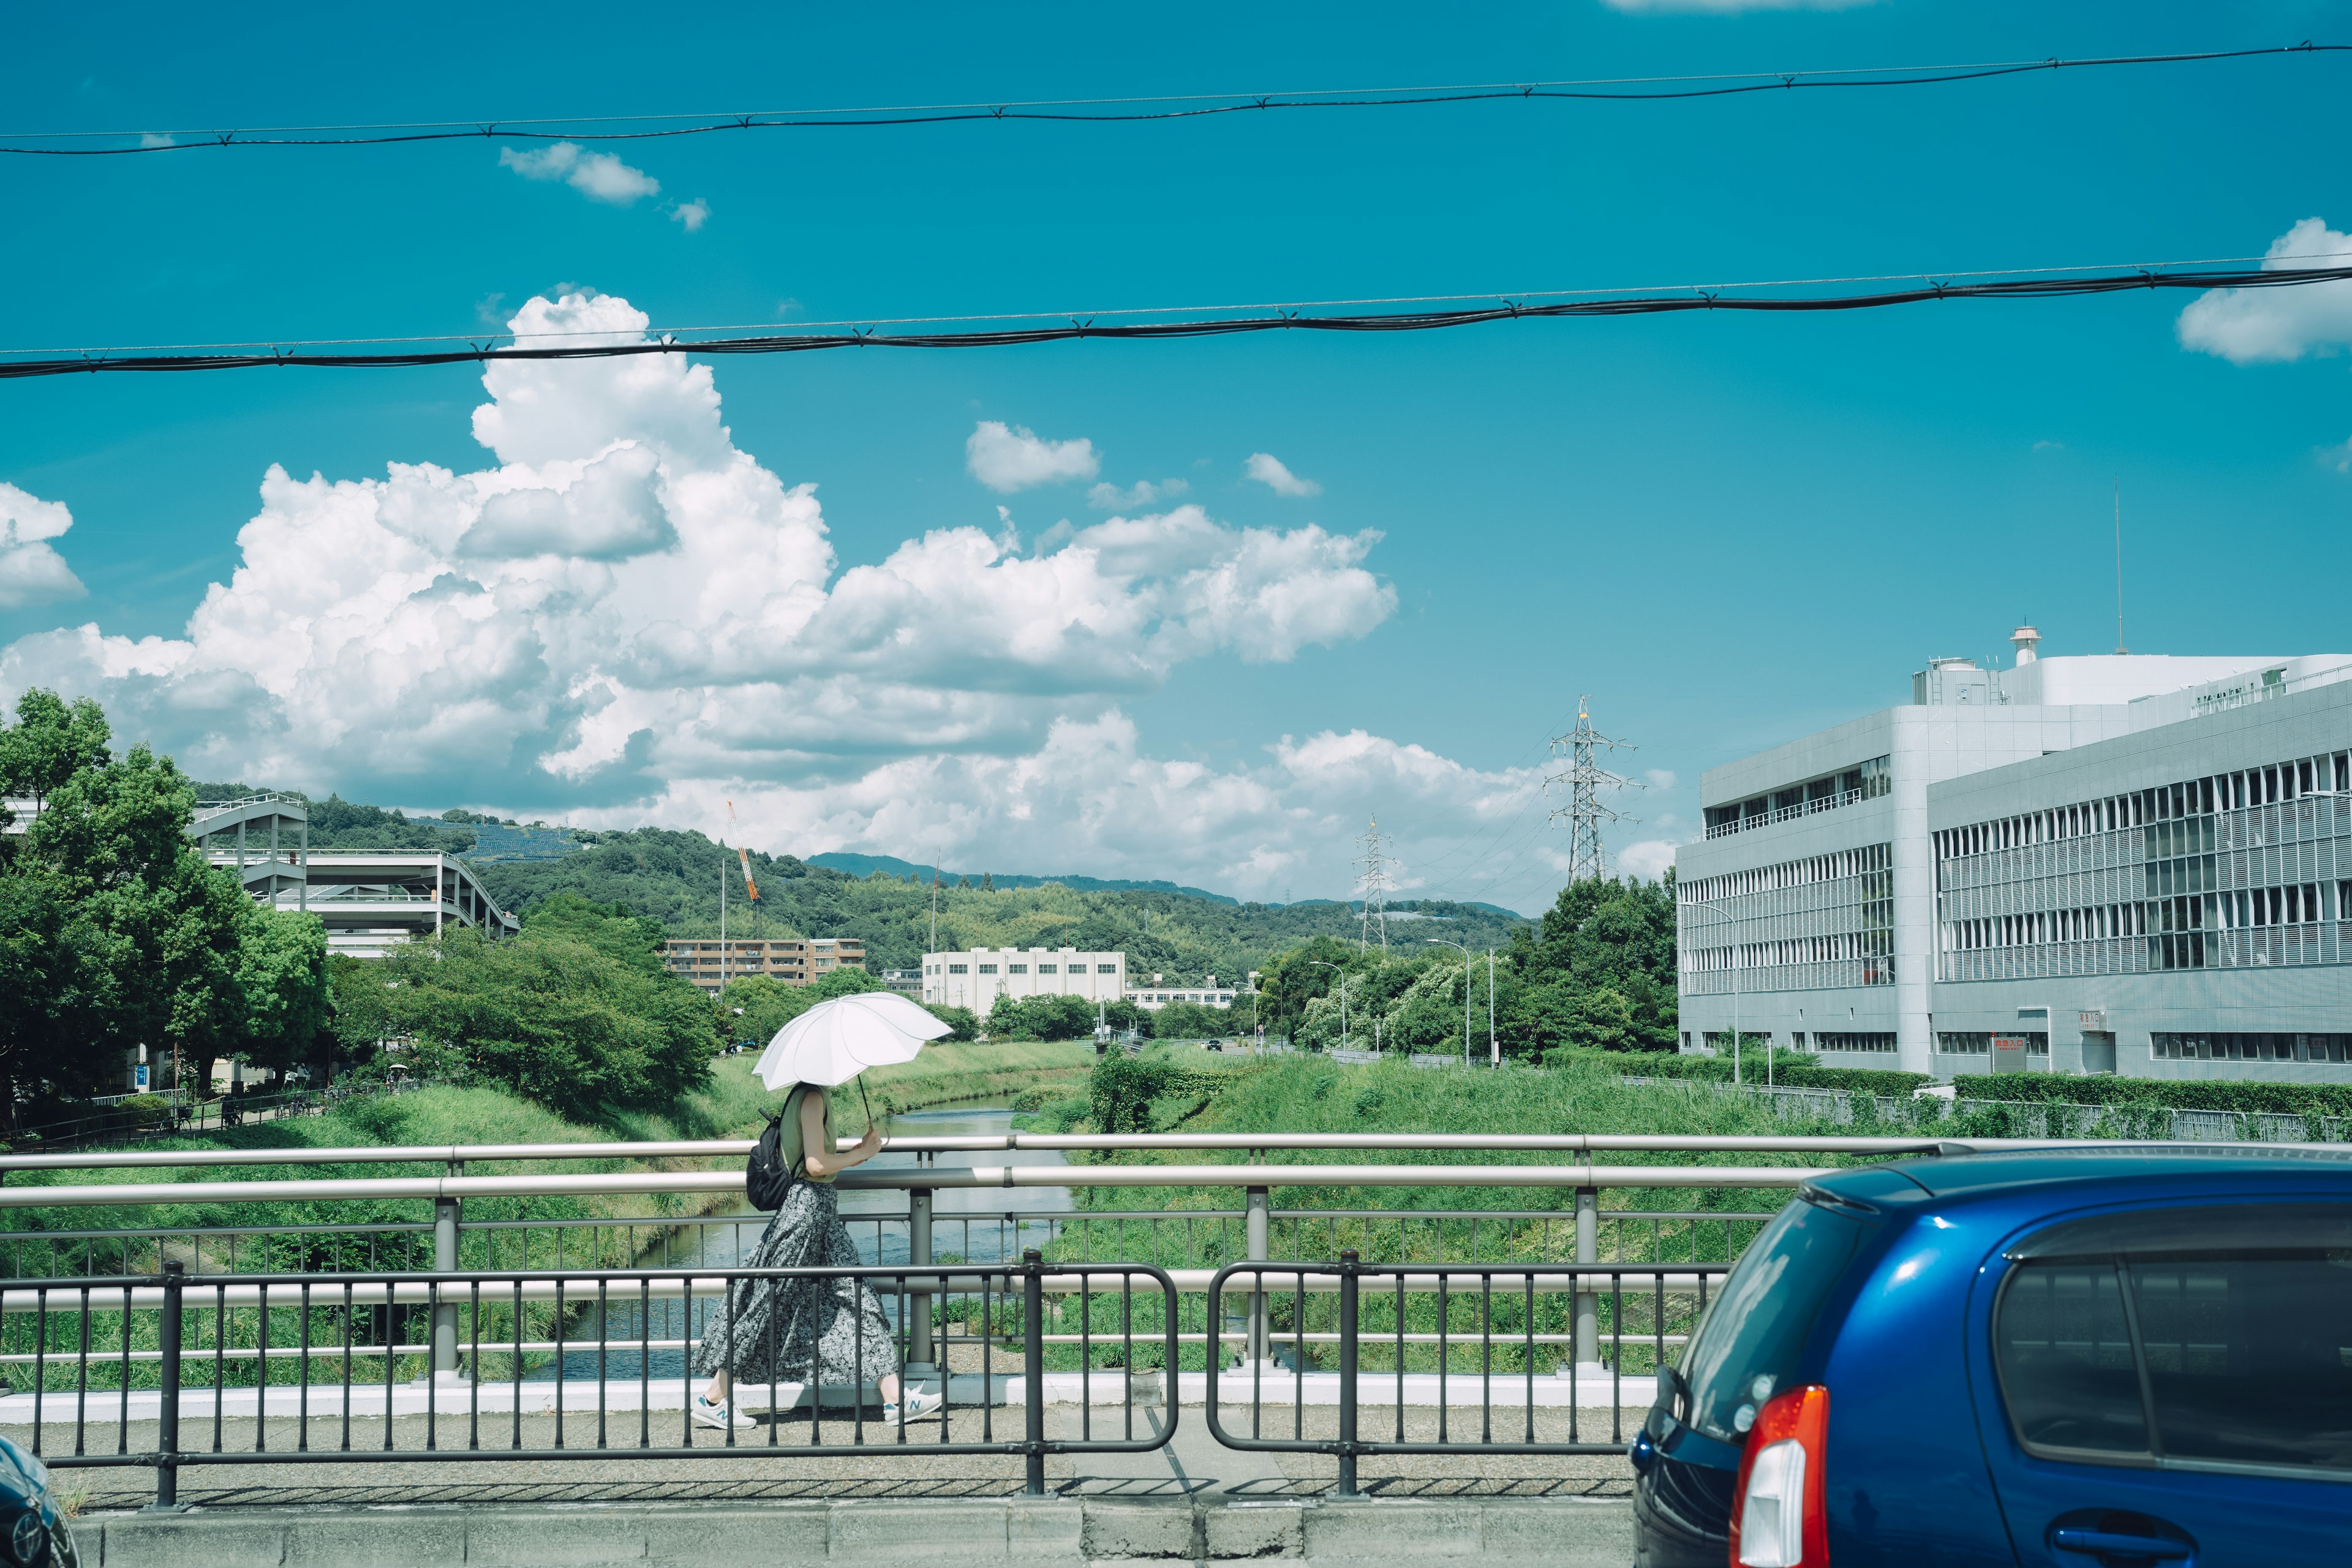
(867, 1103)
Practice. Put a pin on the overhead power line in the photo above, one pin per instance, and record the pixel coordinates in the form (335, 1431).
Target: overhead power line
(1082, 111)
(361, 356)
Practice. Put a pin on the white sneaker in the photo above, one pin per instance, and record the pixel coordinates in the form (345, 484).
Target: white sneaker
(720, 1415)
(918, 1405)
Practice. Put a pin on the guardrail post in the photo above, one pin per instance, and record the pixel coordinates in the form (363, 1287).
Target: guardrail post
(1033, 1367)
(1588, 1251)
(918, 1302)
(167, 1419)
(446, 1214)
(1348, 1324)
(1255, 1228)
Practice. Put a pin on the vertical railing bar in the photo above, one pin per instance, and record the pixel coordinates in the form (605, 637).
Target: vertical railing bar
(857, 1356)
(474, 1370)
(559, 1351)
(1445, 1354)
(987, 1353)
(1298, 1349)
(302, 1400)
(346, 1445)
(261, 1372)
(1399, 1348)
(514, 1368)
(1617, 1360)
(391, 1339)
(1086, 1352)
(123, 1390)
(1530, 1309)
(646, 1359)
(1485, 1358)
(604, 1339)
(41, 1359)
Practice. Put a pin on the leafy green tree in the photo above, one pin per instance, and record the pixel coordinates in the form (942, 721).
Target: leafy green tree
(282, 987)
(1191, 1021)
(49, 744)
(962, 1023)
(553, 1016)
(1041, 1019)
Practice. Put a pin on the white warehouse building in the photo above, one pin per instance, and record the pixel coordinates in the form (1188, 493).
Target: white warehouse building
(2131, 864)
(977, 977)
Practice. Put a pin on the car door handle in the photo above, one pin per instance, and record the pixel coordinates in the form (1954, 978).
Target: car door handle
(2108, 1543)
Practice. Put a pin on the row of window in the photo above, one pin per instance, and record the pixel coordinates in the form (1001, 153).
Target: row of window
(1831, 867)
(1792, 950)
(2046, 925)
(1979, 1042)
(2249, 1048)
(1847, 1040)
(2329, 774)
(2297, 903)
(1023, 969)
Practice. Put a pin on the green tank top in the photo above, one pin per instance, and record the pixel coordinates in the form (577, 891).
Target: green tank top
(790, 1144)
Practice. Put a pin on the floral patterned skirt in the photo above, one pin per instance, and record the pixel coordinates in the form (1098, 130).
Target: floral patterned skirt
(792, 1329)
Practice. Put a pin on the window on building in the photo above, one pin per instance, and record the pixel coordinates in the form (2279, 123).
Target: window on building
(1045, 969)
(959, 969)
(1016, 969)
(1848, 1040)
(1106, 969)
(988, 969)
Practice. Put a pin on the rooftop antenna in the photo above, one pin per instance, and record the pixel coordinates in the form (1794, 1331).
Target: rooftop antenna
(2119, 565)
(1585, 779)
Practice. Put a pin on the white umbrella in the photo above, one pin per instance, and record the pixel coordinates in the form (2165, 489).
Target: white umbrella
(835, 1041)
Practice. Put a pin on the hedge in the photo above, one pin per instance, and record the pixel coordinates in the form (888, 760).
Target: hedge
(2174, 1094)
(1718, 1069)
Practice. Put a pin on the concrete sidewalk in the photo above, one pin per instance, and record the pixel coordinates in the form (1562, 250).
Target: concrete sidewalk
(1066, 1532)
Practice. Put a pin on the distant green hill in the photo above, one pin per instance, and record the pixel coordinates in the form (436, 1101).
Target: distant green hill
(1184, 934)
(866, 865)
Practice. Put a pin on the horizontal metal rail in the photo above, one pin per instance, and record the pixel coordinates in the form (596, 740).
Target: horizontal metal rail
(1440, 1297)
(577, 1354)
(1008, 1142)
(642, 1183)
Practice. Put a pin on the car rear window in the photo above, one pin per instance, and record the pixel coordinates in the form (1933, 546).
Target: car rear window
(2215, 1335)
(1753, 1333)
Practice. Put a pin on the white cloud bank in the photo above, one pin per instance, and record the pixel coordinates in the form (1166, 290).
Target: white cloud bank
(627, 619)
(2251, 326)
(1010, 457)
(31, 570)
(1268, 470)
(599, 176)
(1143, 492)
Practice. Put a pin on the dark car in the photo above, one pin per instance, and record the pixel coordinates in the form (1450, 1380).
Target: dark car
(2124, 1357)
(33, 1529)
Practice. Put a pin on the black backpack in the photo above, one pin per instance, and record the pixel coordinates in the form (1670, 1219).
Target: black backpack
(765, 1179)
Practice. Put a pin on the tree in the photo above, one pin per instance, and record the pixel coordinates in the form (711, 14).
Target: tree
(282, 990)
(1191, 1021)
(553, 1015)
(1041, 1019)
(49, 744)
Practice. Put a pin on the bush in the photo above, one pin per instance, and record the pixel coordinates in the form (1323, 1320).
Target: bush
(1041, 1019)
(2203, 1094)
(1122, 1088)
(1191, 1021)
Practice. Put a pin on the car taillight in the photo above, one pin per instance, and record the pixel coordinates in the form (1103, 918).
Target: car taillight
(1782, 1521)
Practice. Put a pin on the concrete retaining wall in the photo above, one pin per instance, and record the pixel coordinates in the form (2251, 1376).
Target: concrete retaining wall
(1556, 1532)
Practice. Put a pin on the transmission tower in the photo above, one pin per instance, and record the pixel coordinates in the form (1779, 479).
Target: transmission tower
(1585, 779)
(1375, 885)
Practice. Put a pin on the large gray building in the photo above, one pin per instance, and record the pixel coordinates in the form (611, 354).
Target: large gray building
(2121, 863)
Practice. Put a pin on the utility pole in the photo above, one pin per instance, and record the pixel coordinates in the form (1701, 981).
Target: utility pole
(935, 916)
(1374, 884)
(1343, 996)
(1585, 779)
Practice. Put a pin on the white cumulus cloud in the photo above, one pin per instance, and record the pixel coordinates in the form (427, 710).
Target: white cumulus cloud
(1268, 470)
(2250, 326)
(31, 570)
(691, 215)
(599, 176)
(622, 617)
(1649, 859)
(1008, 458)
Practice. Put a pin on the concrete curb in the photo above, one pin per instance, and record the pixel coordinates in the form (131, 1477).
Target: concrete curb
(1065, 1533)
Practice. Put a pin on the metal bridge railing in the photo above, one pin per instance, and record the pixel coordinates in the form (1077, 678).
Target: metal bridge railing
(261, 1369)
(1481, 1328)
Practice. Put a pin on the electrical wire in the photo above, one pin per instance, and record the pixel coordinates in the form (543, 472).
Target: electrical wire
(1093, 110)
(2051, 284)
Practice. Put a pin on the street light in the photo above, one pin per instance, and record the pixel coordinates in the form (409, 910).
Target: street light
(1441, 942)
(1733, 950)
(1343, 996)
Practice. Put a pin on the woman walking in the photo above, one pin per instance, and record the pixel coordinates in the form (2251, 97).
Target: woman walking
(827, 1332)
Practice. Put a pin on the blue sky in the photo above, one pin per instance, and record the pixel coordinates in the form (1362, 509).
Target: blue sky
(1727, 529)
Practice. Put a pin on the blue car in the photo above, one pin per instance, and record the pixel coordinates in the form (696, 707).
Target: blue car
(33, 1530)
(2128, 1357)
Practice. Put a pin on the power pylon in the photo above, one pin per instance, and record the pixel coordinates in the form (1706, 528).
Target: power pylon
(1585, 779)
(1375, 885)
